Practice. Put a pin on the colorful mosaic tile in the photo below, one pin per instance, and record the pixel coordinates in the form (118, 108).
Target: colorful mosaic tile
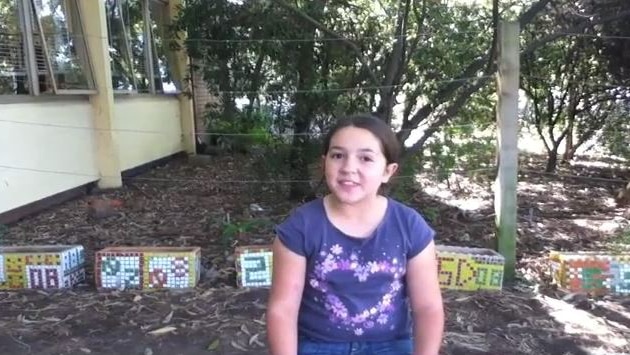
(41, 266)
(459, 268)
(595, 273)
(254, 265)
(147, 267)
(469, 269)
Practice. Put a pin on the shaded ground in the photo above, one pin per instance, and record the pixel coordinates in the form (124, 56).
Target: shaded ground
(189, 203)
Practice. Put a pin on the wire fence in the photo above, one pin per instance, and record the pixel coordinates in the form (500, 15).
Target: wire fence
(358, 88)
(217, 181)
(342, 38)
(455, 171)
(146, 131)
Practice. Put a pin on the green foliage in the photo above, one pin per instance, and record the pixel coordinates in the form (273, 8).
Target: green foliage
(615, 136)
(614, 48)
(272, 162)
(405, 187)
(302, 76)
(565, 82)
(460, 148)
(241, 133)
(620, 242)
(446, 39)
(232, 230)
(431, 214)
(624, 237)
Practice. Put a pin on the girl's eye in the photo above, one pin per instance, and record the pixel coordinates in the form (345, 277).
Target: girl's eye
(367, 158)
(336, 155)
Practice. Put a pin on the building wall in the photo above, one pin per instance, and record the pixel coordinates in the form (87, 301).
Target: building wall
(146, 128)
(32, 137)
(50, 146)
(60, 130)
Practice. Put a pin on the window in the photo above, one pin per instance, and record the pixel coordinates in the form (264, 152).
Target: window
(13, 75)
(125, 26)
(60, 47)
(137, 34)
(160, 37)
(43, 50)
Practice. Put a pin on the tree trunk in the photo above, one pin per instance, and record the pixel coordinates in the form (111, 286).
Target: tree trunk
(569, 149)
(394, 66)
(552, 160)
(303, 107)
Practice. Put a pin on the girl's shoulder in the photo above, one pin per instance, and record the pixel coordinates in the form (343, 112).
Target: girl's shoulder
(298, 228)
(308, 209)
(417, 232)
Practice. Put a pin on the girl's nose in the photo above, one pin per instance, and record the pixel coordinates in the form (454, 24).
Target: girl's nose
(349, 165)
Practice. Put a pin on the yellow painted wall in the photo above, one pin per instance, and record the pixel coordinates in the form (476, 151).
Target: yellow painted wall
(146, 128)
(34, 140)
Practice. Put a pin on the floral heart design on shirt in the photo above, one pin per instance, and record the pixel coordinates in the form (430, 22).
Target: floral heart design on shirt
(371, 316)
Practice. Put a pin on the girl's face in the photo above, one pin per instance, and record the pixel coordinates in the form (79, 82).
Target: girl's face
(355, 166)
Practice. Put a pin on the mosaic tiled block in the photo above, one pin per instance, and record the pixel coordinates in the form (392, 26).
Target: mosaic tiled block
(147, 267)
(459, 268)
(254, 265)
(41, 266)
(469, 269)
(595, 273)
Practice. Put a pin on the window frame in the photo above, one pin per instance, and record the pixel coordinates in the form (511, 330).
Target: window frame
(29, 19)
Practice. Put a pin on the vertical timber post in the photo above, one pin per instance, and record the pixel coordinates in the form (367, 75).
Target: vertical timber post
(507, 120)
(94, 21)
(179, 62)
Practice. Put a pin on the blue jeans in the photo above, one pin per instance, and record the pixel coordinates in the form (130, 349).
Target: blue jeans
(393, 347)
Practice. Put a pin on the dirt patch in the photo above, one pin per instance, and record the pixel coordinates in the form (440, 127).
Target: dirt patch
(185, 204)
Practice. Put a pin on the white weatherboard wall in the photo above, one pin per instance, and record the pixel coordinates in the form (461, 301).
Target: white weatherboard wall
(34, 140)
(146, 129)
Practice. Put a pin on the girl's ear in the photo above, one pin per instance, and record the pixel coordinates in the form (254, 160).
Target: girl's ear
(390, 170)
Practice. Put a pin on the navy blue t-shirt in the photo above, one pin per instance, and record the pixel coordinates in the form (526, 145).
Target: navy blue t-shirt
(355, 288)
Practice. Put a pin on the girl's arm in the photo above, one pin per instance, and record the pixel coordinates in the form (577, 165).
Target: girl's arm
(285, 297)
(426, 302)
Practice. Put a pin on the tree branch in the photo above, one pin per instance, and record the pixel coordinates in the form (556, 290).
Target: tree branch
(495, 34)
(577, 28)
(528, 16)
(450, 111)
(334, 34)
(394, 63)
(525, 18)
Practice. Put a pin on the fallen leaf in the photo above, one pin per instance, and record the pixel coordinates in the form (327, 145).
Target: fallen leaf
(86, 350)
(23, 319)
(168, 318)
(463, 299)
(52, 319)
(245, 330)
(206, 293)
(191, 313)
(163, 330)
(214, 345)
(238, 346)
(137, 298)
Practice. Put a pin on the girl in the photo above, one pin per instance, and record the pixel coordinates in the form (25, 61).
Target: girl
(355, 272)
